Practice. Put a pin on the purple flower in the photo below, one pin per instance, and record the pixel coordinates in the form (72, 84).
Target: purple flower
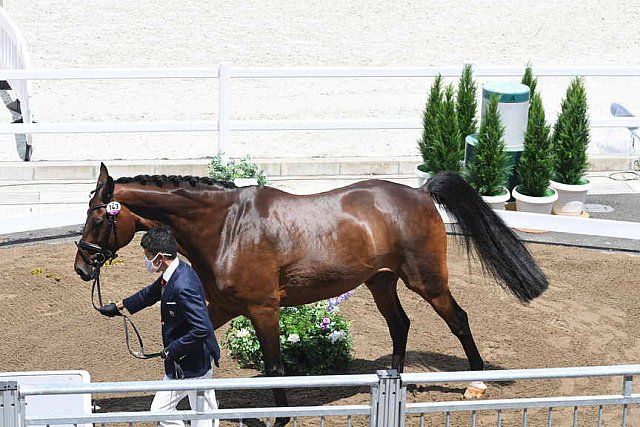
(334, 302)
(325, 323)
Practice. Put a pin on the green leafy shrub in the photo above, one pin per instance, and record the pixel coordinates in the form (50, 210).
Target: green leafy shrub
(536, 164)
(222, 170)
(314, 339)
(489, 169)
(571, 136)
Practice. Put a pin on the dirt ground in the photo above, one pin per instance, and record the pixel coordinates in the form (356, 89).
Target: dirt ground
(589, 316)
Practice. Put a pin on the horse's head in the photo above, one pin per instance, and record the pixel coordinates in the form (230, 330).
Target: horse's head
(109, 226)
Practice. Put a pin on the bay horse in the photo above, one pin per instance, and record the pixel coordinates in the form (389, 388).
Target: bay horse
(258, 248)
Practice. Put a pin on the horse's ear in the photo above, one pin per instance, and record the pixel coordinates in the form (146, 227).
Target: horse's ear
(104, 174)
(107, 190)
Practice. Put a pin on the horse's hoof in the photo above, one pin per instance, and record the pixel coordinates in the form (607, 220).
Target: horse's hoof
(472, 393)
(281, 422)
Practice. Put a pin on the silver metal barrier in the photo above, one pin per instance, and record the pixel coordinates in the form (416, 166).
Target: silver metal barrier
(388, 405)
(550, 405)
(11, 406)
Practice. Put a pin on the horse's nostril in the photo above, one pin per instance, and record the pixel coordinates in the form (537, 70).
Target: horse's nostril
(84, 275)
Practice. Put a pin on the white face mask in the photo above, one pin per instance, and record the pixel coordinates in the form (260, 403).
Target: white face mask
(148, 264)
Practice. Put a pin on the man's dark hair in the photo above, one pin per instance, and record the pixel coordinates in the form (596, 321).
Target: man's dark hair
(160, 240)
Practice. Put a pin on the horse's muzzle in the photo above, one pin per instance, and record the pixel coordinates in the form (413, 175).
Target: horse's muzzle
(87, 275)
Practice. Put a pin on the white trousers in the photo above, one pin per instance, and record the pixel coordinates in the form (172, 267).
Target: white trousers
(168, 401)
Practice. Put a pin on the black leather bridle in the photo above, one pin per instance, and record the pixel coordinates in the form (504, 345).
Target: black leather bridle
(100, 256)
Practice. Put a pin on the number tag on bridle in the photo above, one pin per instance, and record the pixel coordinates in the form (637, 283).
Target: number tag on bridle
(113, 208)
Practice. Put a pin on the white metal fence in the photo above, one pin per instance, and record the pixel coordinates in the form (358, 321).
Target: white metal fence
(226, 73)
(387, 406)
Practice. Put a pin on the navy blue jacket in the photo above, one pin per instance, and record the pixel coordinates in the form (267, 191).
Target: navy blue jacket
(187, 332)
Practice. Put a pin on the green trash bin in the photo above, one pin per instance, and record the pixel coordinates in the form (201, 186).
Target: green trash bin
(514, 153)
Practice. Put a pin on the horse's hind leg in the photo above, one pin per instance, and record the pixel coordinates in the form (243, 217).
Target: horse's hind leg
(456, 318)
(431, 282)
(458, 322)
(383, 286)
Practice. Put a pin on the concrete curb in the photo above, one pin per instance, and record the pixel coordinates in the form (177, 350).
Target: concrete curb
(273, 167)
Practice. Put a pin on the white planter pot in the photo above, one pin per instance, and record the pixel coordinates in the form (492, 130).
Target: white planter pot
(571, 198)
(497, 202)
(422, 176)
(244, 182)
(532, 204)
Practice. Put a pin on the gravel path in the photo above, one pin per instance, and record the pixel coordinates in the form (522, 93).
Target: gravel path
(148, 33)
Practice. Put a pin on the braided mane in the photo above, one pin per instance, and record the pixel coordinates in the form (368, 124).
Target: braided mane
(177, 181)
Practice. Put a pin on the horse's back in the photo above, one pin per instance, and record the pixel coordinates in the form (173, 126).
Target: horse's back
(387, 212)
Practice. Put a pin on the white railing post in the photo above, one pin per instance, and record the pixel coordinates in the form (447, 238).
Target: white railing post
(10, 406)
(224, 107)
(627, 390)
(390, 408)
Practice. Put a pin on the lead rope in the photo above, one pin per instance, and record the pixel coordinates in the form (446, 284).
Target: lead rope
(125, 322)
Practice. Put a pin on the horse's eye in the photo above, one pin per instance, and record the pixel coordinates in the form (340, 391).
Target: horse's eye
(98, 222)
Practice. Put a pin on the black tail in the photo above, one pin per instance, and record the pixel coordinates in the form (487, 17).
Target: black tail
(501, 251)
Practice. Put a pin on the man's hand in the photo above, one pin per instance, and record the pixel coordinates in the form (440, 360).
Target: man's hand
(165, 353)
(109, 310)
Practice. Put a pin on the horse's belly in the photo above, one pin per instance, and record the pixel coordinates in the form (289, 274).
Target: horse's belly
(314, 285)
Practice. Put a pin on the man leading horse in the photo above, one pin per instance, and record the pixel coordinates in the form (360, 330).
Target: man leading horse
(257, 248)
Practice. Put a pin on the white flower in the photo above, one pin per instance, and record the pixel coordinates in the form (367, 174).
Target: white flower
(336, 336)
(293, 338)
(244, 332)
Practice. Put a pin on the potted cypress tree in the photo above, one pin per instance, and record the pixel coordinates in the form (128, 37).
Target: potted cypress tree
(431, 131)
(489, 168)
(536, 164)
(570, 142)
(446, 150)
(466, 104)
(529, 80)
(446, 120)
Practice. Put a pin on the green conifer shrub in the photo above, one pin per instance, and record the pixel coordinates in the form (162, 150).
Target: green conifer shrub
(447, 151)
(571, 136)
(431, 130)
(466, 104)
(536, 163)
(529, 80)
(489, 169)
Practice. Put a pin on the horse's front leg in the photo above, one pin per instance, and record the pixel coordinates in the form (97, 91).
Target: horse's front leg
(265, 322)
(219, 315)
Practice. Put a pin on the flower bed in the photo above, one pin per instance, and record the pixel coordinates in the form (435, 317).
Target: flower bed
(314, 339)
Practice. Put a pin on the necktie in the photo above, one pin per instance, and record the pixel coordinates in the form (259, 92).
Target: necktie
(163, 282)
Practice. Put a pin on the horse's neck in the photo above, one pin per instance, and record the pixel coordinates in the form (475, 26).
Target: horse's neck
(186, 214)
